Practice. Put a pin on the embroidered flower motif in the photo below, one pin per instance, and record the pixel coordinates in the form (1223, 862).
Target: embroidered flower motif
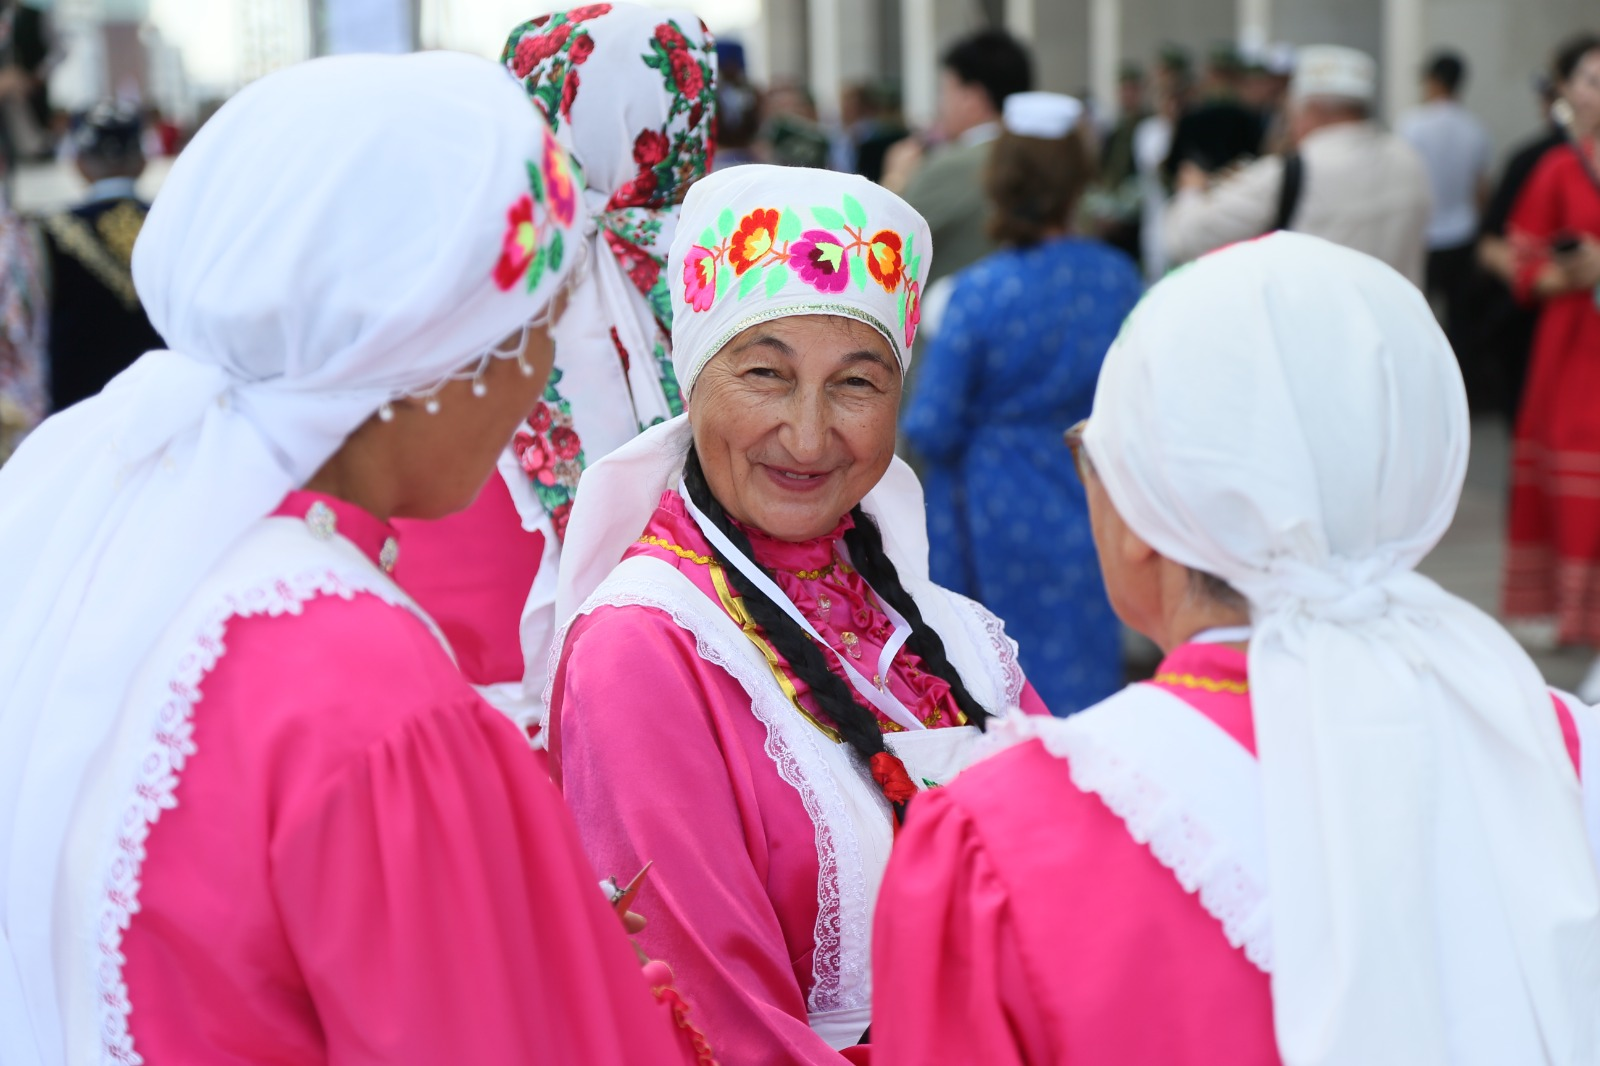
(650, 148)
(560, 195)
(539, 421)
(913, 310)
(818, 257)
(582, 48)
(569, 92)
(535, 455)
(565, 442)
(687, 73)
(754, 238)
(671, 38)
(559, 517)
(518, 246)
(885, 261)
(587, 12)
(700, 278)
(643, 269)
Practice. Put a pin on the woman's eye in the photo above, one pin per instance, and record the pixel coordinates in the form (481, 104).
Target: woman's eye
(861, 383)
(762, 372)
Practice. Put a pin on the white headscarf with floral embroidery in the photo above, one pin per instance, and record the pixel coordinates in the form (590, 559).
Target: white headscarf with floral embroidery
(306, 265)
(630, 92)
(757, 243)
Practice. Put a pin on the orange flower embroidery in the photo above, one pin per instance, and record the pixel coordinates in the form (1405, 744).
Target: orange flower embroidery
(754, 238)
(885, 261)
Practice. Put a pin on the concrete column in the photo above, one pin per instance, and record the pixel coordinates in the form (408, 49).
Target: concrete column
(843, 49)
(1020, 18)
(782, 57)
(1255, 23)
(919, 53)
(1105, 52)
(1061, 44)
(1402, 55)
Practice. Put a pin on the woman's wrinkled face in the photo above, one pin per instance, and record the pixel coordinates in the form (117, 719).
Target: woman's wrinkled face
(794, 422)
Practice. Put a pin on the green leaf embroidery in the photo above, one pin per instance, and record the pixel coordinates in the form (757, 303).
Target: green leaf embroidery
(557, 247)
(903, 292)
(788, 225)
(536, 270)
(708, 239)
(827, 216)
(724, 281)
(858, 272)
(725, 221)
(752, 278)
(775, 280)
(536, 182)
(853, 211)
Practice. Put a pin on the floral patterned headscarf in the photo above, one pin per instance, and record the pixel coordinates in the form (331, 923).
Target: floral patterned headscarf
(631, 93)
(764, 242)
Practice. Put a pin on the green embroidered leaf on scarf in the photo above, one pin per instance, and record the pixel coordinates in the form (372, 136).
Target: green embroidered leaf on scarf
(788, 225)
(557, 249)
(536, 270)
(858, 272)
(708, 238)
(725, 222)
(902, 302)
(536, 181)
(827, 216)
(752, 278)
(724, 281)
(776, 277)
(854, 212)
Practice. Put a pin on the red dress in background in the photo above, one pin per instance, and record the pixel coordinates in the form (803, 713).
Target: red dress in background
(1553, 555)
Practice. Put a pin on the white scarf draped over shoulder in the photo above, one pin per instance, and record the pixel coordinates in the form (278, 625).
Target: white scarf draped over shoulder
(341, 234)
(1287, 415)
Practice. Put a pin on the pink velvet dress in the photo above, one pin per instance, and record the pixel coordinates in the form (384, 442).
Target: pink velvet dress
(1037, 931)
(364, 866)
(660, 758)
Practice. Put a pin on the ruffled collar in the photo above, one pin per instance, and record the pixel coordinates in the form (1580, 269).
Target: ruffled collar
(804, 557)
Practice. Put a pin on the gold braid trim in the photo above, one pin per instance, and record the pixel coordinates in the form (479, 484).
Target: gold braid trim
(676, 549)
(78, 240)
(1205, 684)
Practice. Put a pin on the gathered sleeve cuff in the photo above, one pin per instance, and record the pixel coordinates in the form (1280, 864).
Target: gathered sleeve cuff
(949, 984)
(435, 897)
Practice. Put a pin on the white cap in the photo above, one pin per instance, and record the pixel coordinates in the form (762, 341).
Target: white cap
(1047, 115)
(1332, 70)
(1280, 58)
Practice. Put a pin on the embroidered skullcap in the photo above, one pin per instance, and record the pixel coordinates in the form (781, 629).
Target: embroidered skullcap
(759, 242)
(1287, 415)
(1333, 70)
(1045, 115)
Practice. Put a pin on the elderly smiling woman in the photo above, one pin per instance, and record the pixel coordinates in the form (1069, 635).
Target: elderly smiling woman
(760, 674)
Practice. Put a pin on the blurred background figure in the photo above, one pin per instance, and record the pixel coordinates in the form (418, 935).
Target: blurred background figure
(1507, 323)
(97, 325)
(1553, 555)
(1266, 92)
(945, 184)
(1012, 367)
(24, 366)
(738, 108)
(874, 124)
(790, 133)
(27, 55)
(1222, 130)
(1348, 180)
(1113, 203)
(1455, 149)
(1152, 142)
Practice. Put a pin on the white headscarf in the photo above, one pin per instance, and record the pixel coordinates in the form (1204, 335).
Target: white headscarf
(757, 243)
(1286, 414)
(342, 233)
(630, 92)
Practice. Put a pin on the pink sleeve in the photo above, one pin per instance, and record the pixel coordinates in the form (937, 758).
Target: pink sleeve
(1030, 702)
(653, 770)
(948, 982)
(440, 909)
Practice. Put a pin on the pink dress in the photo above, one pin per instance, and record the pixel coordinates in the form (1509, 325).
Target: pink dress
(364, 866)
(471, 572)
(660, 758)
(1037, 931)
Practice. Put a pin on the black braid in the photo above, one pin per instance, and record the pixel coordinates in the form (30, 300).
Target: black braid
(865, 542)
(856, 724)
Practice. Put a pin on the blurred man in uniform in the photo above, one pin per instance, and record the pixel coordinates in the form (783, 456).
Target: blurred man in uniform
(1222, 130)
(977, 75)
(1347, 179)
(97, 325)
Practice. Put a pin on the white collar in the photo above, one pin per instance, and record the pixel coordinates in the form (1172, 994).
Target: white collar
(112, 189)
(982, 133)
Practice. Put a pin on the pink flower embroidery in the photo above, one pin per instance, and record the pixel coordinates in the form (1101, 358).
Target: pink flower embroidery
(700, 278)
(560, 195)
(818, 257)
(533, 451)
(517, 248)
(913, 310)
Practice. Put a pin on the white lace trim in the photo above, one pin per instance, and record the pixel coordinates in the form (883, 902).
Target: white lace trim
(170, 745)
(986, 628)
(1203, 859)
(837, 875)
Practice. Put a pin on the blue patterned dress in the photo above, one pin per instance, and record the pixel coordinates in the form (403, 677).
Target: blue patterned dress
(1014, 365)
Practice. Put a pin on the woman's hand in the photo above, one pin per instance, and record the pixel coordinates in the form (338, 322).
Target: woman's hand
(1582, 266)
